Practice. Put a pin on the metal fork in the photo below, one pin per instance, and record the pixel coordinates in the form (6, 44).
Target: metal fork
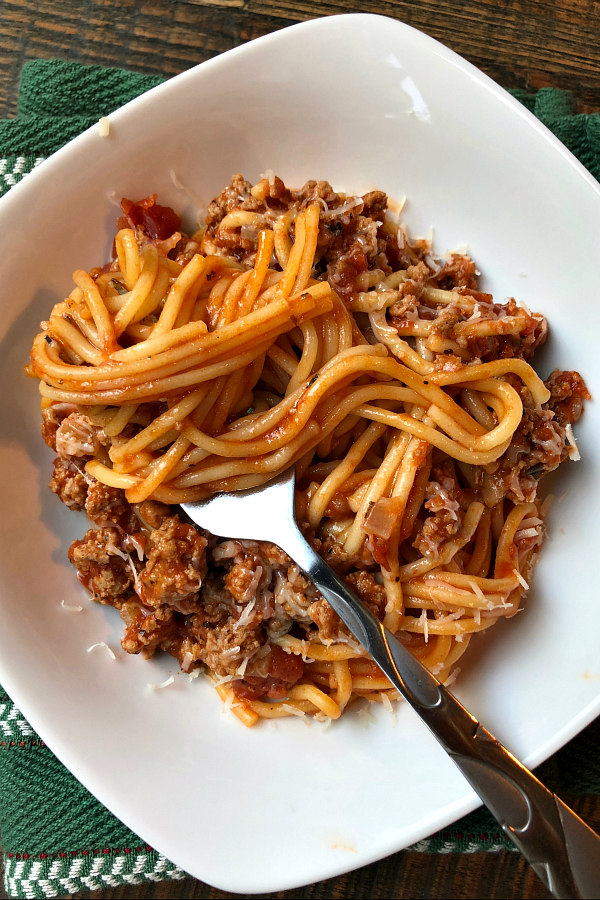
(560, 847)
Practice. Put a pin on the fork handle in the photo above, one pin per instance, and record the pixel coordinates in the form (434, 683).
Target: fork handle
(560, 847)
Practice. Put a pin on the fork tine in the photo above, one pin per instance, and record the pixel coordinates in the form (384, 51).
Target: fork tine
(257, 513)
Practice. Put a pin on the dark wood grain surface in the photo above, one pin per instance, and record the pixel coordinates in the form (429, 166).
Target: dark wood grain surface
(520, 44)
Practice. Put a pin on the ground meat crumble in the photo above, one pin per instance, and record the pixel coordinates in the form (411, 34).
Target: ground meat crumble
(178, 590)
(351, 237)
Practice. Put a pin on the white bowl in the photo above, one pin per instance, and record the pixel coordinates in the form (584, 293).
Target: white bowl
(362, 101)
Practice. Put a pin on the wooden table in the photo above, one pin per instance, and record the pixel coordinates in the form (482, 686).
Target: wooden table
(520, 43)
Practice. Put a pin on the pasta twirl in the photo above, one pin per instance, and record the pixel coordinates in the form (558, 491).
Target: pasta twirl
(299, 328)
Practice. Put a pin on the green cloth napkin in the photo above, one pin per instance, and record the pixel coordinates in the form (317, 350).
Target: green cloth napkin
(57, 839)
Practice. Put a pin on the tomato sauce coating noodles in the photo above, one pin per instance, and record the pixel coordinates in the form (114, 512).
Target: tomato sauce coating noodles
(299, 327)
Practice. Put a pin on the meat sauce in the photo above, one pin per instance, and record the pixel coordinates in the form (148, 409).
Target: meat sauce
(157, 222)
(219, 604)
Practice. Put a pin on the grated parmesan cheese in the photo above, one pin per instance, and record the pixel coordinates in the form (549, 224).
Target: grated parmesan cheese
(520, 579)
(574, 453)
(102, 645)
(176, 182)
(452, 677)
(526, 533)
(293, 710)
(112, 198)
(225, 679)
(136, 577)
(227, 703)
(112, 550)
(70, 608)
(387, 703)
(137, 546)
(188, 659)
(247, 613)
(477, 591)
(241, 669)
(269, 174)
(396, 206)
(343, 208)
(425, 623)
(161, 684)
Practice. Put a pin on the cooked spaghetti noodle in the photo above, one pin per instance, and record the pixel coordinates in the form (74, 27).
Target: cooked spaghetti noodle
(299, 328)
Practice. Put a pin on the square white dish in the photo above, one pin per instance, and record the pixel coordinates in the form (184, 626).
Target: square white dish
(362, 101)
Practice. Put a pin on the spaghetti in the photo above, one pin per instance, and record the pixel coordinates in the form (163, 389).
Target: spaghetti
(299, 328)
